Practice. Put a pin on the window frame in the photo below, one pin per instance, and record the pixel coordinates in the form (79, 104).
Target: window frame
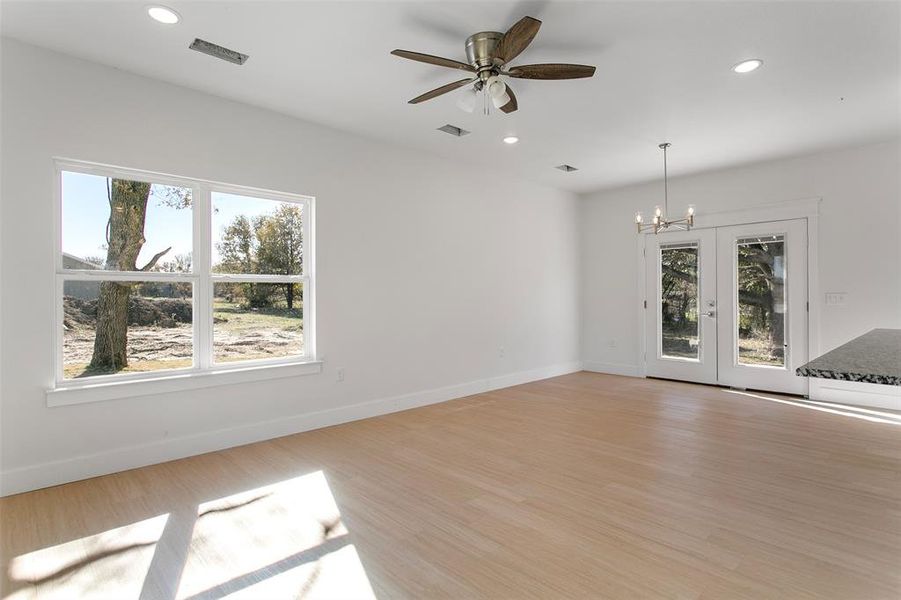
(201, 277)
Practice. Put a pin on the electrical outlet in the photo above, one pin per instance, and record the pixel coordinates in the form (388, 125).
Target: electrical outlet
(836, 298)
(611, 343)
(340, 374)
(502, 352)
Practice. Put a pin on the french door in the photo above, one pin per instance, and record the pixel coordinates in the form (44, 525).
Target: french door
(728, 305)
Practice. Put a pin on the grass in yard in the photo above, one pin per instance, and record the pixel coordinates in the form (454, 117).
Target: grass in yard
(758, 350)
(233, 318)
(241, 333)
(72, 371)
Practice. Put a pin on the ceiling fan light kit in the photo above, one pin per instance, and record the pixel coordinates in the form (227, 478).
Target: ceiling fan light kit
(489, 54)
(661, 221)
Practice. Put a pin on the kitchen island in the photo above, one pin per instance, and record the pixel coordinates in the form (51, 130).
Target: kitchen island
(874, 357)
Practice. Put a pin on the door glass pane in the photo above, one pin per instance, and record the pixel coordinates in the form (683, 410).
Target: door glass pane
(761, 301)
(679, 301)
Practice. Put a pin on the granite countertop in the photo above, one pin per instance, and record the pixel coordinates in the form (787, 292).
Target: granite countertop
(874, 357)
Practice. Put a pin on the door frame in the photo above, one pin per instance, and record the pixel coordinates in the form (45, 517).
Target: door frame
(808, 208)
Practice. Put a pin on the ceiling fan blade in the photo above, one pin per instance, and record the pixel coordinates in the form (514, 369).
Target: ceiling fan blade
(517, 38)
(512, 105)
(551, 71)
(434, 60)
(441, 90)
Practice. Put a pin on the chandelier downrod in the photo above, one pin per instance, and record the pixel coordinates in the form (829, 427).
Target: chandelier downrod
(663, 147)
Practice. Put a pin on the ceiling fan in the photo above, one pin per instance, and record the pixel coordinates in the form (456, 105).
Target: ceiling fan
(489, 54)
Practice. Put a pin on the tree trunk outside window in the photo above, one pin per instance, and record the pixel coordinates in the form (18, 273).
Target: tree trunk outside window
(125, 239)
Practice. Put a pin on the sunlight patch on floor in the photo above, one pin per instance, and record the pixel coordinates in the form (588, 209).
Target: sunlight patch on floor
(845, 410)
(285, 540)
(111, 564)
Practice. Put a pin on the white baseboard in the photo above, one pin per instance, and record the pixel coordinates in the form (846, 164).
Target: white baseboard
(856, 393)
(121, 459)
(612, 368)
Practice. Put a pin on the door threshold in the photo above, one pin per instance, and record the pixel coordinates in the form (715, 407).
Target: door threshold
(728, 387)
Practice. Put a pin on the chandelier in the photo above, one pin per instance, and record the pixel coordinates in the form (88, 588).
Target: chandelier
(661, 221)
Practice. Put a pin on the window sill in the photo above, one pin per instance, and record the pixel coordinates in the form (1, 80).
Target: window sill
(111, 390)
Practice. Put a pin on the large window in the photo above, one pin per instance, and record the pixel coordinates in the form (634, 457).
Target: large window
(159, 275)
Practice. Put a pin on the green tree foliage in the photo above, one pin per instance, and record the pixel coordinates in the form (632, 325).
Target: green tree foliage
(269, 244)
(761, 290)
(180, 263)
(238, 248)
(679, 283)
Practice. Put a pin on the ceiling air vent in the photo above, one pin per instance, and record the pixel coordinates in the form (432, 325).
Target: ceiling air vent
(217, 51)
(566, 168)
(453, 130)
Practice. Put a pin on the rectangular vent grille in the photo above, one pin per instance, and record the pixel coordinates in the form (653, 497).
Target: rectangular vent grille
(453, 130)
(218, 51)
(566, 168)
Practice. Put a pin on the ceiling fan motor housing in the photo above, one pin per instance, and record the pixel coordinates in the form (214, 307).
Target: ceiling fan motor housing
(481, 50)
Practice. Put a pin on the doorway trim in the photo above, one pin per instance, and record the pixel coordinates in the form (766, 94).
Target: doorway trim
(807, 208)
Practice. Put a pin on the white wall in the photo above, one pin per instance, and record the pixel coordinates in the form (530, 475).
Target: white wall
(424, 272)
(859, 247)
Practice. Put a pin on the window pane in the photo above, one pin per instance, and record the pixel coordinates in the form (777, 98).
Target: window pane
(257, 320)
(761, 301)
(146, 326)
(122, 225)
(679, 302)
(256, 236)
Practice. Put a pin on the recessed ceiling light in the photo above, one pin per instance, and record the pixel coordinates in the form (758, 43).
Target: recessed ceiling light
(746, 66)
(511, 139)
(163, 14)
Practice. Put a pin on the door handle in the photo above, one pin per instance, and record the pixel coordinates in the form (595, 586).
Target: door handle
(709, 313)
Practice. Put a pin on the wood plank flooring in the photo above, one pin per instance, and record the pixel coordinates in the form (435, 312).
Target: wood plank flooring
(581, 486)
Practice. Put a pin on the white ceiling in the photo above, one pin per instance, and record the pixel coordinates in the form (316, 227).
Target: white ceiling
(830, 78)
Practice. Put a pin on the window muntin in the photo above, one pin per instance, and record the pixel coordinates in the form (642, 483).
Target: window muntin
(180, 213)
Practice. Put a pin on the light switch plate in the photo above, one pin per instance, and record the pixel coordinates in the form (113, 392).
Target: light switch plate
(836, 298)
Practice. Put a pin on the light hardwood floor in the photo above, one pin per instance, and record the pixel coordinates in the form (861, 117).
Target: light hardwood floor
(579, 486)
